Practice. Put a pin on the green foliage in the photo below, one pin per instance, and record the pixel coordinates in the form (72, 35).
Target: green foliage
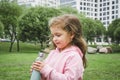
(116, 48)
(10, 12)
(34, 24)
(113, 30)
(92, 28)
(1, 28)
(24, 47)
(100, 29)
(117, 34)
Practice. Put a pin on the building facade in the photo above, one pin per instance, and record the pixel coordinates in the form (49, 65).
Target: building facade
(104, 10)
(47, 3)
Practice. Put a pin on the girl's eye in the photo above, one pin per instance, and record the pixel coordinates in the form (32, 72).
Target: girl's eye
(58, 35)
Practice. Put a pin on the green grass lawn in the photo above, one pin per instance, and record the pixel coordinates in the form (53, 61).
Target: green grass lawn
(16, 65)
(103, 67)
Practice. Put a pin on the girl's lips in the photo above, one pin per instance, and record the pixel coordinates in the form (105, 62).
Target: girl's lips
(57, 43)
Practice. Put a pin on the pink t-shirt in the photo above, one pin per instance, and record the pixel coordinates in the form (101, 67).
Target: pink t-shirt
(65, 65)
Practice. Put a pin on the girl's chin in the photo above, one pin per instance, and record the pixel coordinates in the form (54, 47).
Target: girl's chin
(59, 47)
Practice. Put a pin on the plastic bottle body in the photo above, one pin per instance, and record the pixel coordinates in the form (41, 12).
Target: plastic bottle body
(36, 74)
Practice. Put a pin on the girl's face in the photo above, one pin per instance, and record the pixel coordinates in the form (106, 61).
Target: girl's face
(61, 38)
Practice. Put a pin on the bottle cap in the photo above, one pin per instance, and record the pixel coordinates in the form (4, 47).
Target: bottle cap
(41, 54)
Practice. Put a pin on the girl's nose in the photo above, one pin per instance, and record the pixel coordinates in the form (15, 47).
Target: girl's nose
(54, 38)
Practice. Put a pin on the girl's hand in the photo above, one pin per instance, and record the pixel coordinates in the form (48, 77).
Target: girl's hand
(38, 65)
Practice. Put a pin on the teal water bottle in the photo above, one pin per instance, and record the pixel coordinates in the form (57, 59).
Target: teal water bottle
(36, 74)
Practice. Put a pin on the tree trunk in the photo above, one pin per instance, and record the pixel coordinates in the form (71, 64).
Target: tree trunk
(11, 45)
(18, 48)
(16, 37)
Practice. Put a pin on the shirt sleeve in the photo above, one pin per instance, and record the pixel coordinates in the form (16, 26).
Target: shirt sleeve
(73, 70)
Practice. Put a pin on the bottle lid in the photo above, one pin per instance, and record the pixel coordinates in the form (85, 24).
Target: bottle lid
(41, 54)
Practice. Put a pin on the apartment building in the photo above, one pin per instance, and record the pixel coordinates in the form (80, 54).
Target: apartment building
(104, 10)
(47, 3)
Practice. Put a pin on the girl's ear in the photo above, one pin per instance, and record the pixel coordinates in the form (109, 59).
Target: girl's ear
(72, 35)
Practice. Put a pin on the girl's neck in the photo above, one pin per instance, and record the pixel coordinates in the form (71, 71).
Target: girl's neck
(60, 50)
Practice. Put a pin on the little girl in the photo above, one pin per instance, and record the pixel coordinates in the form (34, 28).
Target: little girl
(67, 60)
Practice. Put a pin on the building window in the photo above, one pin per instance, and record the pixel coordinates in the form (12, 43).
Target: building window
(108, 3)
(116, 1)
(107, 13)
(80, 3)
(113, 2)
(84, 4)
(113, 7)
(116, 6)
(112, 12)
(108, 22)
(91, 4)
(95, 14)
(112, 17)
(100, 5)
(104, 18)
(95, 0)
(116, 16)
(88, 9)
(88, 4)
(91, 9)
(104, 13)
(104, 4)
(91, 14)
(95, 10)
(95, 5)
(80, 8)
(104, 9)
(116, 11)
(107, 8)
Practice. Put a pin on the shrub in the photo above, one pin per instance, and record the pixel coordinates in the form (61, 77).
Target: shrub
(116, 48)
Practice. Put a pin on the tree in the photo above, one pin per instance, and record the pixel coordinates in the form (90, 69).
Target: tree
(91, 28)
(34, 24)
(117, 35)
(100, 29)
(112, 28)
(1, 29)
(10, 11)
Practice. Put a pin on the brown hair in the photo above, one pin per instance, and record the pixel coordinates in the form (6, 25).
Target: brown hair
(71, 24)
